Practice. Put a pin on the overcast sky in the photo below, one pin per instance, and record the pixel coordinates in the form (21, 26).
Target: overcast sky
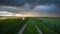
(39, 6)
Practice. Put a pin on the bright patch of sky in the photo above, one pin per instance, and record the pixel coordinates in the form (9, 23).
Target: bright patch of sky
(5, 13)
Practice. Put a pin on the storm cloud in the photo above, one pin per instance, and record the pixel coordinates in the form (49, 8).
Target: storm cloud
(37, 2)
(40, 6)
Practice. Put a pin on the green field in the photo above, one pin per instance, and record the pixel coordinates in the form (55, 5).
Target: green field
(30, 29)
(52, 23)
(11, 25)
(47, 25)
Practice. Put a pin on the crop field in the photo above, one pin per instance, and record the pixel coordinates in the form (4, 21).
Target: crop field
(35, 25)
(52, 23)
(11, 25)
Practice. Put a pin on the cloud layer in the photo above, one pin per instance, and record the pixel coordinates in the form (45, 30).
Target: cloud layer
(46, 7)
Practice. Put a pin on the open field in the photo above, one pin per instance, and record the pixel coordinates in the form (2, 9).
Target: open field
(52, 23)
(43, 27)
(11, 25)
(47, 25)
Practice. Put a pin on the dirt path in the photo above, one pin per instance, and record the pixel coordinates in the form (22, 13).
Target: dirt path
(22, 29)
(40, 32)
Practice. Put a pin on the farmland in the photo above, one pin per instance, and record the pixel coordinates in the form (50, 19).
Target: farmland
(11, 25)
(47, 25)
(52, 23)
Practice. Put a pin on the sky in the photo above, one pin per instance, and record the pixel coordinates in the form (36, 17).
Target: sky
(38, 8)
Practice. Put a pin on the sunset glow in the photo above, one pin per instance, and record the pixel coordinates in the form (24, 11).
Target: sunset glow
(18, 15)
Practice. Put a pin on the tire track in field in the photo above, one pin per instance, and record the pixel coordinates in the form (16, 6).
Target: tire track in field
(22, 29)
(39, 30)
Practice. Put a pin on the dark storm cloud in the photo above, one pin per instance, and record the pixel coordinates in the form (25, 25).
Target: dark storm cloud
(12, 2)
(32, 2)
(21, 2)
(44, 6)
(48, 9)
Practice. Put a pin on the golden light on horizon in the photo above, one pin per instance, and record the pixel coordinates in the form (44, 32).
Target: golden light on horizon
(18, 14)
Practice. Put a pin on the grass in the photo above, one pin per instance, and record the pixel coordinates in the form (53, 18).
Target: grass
(52, 23)
(48, 25)
(44, 28)
(11, 25)
(30, 29)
